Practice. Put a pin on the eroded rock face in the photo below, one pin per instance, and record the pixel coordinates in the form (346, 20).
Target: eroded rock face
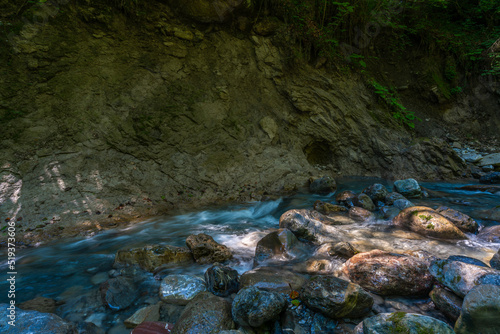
(253, 307)
(427, 222)
(180, 289)
(206, 250)
(480, 311)
(336, 298)
(461, 220)
(33, 322)
(401, 322)
(389, 274)
(152, 256)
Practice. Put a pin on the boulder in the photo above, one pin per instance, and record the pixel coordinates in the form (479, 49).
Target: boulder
(180, 289)
(461, 220)
(323, 185)
(401, 322)
(376, 192)
(360, 214)
(335, 298)
(208, 11)
(490, 178)
(389, 273)
(152, 256)
(490, 159)
(153, 327)
(146, 314)
(447, 302)
(328, 208)
(222, 281)
(490, 234)
(480, 311)
(390, 198)
(495, 261)
(118, 293)
(409, 188)
(428, 222)
(253, 307)
(278, 245)
(32, 322)
(458, 276)
(364, 201)
(206, 250)
(206, 313)
(345, 197)
(272, 279)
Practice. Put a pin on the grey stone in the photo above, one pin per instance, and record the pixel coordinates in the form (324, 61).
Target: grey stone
(253, 307)
(180, 289)
(480, 311)
(408, 188)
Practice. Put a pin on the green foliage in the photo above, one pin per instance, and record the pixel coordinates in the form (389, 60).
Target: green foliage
(390, 97)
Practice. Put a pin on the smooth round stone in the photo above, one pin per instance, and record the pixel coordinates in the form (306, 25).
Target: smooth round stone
(180, 289)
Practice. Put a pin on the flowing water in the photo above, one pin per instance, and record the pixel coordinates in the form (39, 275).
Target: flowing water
(53, 270)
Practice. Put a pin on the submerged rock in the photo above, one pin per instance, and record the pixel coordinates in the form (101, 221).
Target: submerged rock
(118, 293)
(272, 279)
(222, 281)
(40, 304)
(409, 188)
(389, 273)
(278, 245)
(32, 322)
(447, 302)
(401, 322)
(335, 298)
(461, 220)
(206, 250)
(180, 289)
(323, 185)
(428, 222)
(480, 311)
(253, 307)
(152, 256)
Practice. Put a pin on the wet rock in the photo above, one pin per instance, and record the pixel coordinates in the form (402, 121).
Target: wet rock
(390, 198)
(360, 214)
(458, 276)
(99, 278)
(78, 308)
(253, 307)
(335, 298)
(319, 267)
(323, 185)
(402, 204)
(466, 259)
(389, 212)
(180, 289)
(376, 192)
(491, 279)
(301, 320)
(222, 281)
(401, 322)
(490, 159)
(88, 328)
(272, 279)
(145, 314)
(409, 188)
(364, 201)
(490, 178)
(206, 250)
(428, 222)
(341, 249)
(328, 208)
(495, 261)
(207, 11)
(118, 293)
(490, 234)
(480, 311)
(40, 304)
(152, 256)
(32, 322)
(170, 312)
(389, 274)
(206, 313)
(277, 245)
(461, 220)
(153, 327)
(345, 197)
(447, 302)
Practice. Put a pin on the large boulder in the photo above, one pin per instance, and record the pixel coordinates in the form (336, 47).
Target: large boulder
(180, 289)
(206, 250)
(118, 293)
(336, 298)
(376, 192)
(408, 188)
(152, 256)
(389, 274)
(428, 222)
(253, 307)
(222, 281)
(480, 311)
(323, 185)
(461, 220)
(277, 245)
(25, 322)
(207, 11)
(458, 276)
(401, 322)
(447, 302)
(272, 279)
(206, 313)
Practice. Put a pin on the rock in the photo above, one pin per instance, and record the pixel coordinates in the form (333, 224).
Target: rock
(490, 178)
(152, 256)
(345, 197)
(341, 249)
(389, 212)
(447, 302)
(323, 185)
(364, 201)
(206, 313)
(99, 278)
(490, 234)
(408, 188)
(206, 250)
(488, 168)
(495, 261)
(472, 157)
(360, 214)
(78, 308)
(376, 192)
(466, 259)
(32, 322)
(319, 267)
(402, 204)
(40, 304)
(428, 222)
(153, 327)
(390, 198)
(222, 281)
(272, 279)
(118, 293)
(461, 220)
(491, 279)
(269, 126)
(180, 289)
(253, 307)
(480, 311)
(328, 208)
(267, 26)
(335, 298)
(278, 245)
(170, 312)
(490, 159)
(145, 314)
(458, 276)
(88, 328)
(207, 11)
(401, 322)
(389, 274)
